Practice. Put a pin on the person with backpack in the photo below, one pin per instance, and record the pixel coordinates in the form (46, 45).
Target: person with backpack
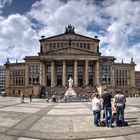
(120, 101)
(106, 95)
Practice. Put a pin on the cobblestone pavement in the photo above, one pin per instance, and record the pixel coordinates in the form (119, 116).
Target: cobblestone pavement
(39, 120)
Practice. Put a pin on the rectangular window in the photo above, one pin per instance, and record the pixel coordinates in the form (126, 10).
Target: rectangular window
(54, 45)
(69, 69)
(50, 46)
(101, 69)
(90, 69)
(48, 69)
(59, 69)
(88, 46)
(126, 83)
(109, 79)
(62, 45)
(126, 74)
(80, 69)
(85, 46)
(34, 69)
(77, 44)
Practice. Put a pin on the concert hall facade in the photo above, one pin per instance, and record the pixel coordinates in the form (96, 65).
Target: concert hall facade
(69, 55)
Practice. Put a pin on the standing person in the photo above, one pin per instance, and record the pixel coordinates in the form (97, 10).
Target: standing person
(54, 98)
(47, 97)
(114, 111)
(30, 96)
(96, 108)
(120, 101)
(22, 97)
(106, 95)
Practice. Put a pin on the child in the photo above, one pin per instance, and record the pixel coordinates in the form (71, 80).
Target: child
(114, 112)
(96, 108)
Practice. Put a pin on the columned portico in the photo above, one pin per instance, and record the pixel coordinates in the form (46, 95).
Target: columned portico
(84, 73)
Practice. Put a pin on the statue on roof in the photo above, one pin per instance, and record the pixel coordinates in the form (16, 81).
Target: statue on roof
(69, 29)
(8, 61)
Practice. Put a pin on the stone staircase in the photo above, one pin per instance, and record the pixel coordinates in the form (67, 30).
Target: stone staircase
(83, 93)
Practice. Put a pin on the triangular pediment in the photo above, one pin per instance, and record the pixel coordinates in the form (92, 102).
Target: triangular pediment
(69, 36)
(70, 50)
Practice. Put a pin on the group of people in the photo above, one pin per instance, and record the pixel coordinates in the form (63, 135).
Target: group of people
(113, 110)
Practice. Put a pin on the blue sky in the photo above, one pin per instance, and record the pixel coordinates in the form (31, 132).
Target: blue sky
(115, 22)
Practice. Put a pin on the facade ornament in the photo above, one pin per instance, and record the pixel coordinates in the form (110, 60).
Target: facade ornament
(132, 60)
(8, 61)
(69, 29)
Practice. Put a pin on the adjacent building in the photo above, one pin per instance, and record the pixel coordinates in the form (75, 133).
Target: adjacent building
(137, 78)
(69, 55)
(2, 78)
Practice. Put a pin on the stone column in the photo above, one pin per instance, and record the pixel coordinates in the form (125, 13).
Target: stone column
(42, 74)
(86, 73)
(7, 78)
(52, 74)
(75, 74)
(64, 74)
(26, 74)
(97, 80)
(113, 76)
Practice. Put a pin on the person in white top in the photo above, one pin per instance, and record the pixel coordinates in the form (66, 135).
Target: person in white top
(96, 108)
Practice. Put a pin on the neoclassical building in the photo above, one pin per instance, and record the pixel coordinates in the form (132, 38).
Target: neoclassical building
(69, 55)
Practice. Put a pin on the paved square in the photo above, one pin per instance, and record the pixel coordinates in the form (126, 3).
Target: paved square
(70, 111)
(40, 120)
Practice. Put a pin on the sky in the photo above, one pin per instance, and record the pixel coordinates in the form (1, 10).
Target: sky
(115, 22)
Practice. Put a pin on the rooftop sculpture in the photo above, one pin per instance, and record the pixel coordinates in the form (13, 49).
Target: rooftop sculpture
(69, 29)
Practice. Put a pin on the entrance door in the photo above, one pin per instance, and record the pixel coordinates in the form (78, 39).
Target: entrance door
(80, 80)
(48, 80)
(59, 80)
(91, 80)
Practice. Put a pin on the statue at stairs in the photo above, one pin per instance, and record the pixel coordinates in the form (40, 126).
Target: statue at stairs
(70, 93)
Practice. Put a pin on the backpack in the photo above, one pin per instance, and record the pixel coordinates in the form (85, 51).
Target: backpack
(102, 123)
(125, 123)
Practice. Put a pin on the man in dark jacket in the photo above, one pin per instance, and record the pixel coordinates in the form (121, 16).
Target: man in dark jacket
(106, 95)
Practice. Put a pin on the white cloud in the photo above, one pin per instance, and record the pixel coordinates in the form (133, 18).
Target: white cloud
(119, 18)
(124, 22)
(17, 38)
(55, 15)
